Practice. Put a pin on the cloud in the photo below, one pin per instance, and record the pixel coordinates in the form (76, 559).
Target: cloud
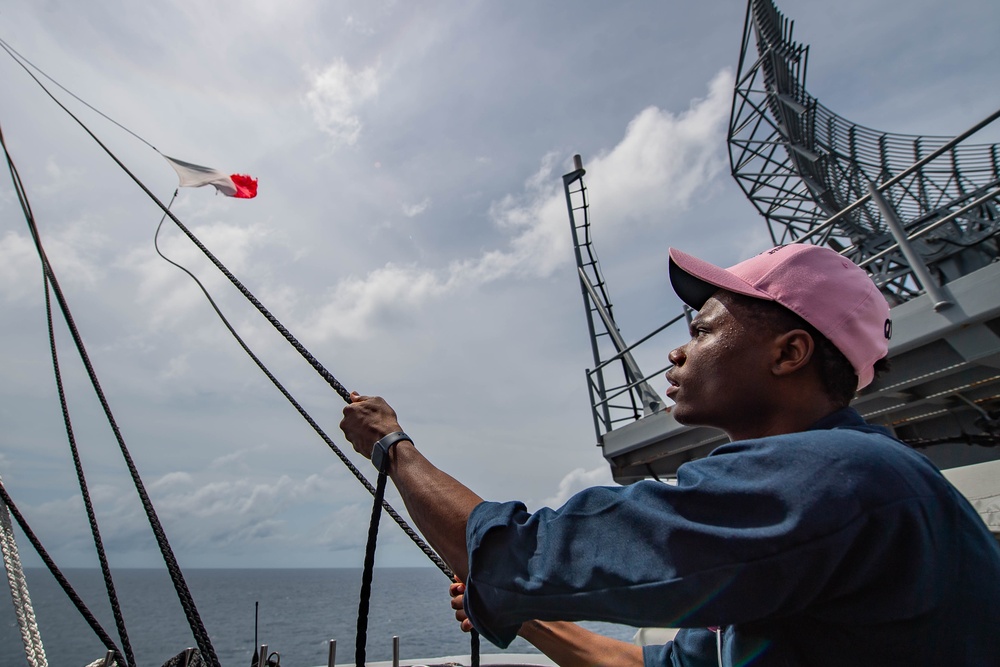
(413, 210)
(199, 514)
(656, 170)
(360, 26)
(72, 249)
(336, 95)
(18, 259)
(576, 481)
(357, 304)
(344, 529)
(172, 480)
(169, 292)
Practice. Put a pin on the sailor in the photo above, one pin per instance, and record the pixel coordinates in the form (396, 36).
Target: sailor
(811, 538)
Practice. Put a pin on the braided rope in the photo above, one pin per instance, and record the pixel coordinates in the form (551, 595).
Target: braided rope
(323, 372)
(102, 662)
(180, 586)
(57, 573)
(400, 521)
(361, 638)
(177, 577)
(8, 503)
(183, 594)
(299, 347)
(30, 635)
(95, 531)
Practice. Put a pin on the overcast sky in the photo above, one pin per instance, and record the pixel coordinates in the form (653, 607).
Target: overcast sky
(410, 230)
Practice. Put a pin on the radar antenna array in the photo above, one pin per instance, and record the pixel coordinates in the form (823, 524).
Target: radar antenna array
(800, 165)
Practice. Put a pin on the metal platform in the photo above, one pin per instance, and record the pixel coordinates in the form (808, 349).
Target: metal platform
(944, 380)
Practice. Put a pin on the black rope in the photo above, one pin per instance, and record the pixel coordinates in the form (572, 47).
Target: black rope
(400, 521)
(378, 491)
(366, 574)
(331, 380)
(105, 638)
(176, 576)
(361, 639)
(109, 583)
(299, 347)
(12, 51)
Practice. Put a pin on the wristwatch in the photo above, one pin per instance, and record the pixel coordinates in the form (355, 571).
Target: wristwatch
(380, 451)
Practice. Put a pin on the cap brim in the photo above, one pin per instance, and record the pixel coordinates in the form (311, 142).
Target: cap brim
(695, 280)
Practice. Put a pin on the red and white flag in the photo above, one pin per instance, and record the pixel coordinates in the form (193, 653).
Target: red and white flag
(240, 186)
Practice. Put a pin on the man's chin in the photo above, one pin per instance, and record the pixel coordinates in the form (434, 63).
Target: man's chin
(680, 415)
(684, 415)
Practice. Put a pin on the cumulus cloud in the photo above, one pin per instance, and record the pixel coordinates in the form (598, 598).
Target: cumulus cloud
(659, 166)
(356, 304)
(576, 481)
(172, 292)
(336, 96)
(196, 514)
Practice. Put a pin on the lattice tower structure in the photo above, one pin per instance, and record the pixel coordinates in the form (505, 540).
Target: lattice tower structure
(799, 163)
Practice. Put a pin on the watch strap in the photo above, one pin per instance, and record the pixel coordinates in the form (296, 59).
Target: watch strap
(380, 451)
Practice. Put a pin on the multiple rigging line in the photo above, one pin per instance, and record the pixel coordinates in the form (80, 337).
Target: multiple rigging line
(52, 286)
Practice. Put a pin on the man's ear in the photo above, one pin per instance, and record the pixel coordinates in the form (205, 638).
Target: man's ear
(792, 351)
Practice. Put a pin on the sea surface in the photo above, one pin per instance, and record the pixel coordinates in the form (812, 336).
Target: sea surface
(299, 611)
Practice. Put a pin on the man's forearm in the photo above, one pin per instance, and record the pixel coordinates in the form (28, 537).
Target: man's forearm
(438, 504)
(570, 645)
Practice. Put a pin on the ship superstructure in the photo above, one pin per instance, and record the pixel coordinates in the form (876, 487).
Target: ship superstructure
(920, 213)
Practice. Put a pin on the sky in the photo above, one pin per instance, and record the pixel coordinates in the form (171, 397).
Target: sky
(410, 231)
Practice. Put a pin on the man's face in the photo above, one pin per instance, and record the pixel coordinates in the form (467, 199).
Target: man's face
(720, 377)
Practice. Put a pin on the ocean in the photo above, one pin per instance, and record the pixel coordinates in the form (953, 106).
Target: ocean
(299, 611)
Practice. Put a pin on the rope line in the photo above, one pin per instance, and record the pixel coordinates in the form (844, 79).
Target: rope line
(177, 577)
(378, 492)
(30, 635)
(400, 521)
(299, 347)
(95, 531)
(16, 56)
(323, 372)
(361, 639)
(105, 638)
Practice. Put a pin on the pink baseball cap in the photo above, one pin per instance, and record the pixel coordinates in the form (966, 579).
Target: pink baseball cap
(828, 291)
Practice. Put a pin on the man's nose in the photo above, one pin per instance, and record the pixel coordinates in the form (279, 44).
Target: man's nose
(676, 356)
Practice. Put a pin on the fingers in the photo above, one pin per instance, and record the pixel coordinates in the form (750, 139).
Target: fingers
(457, 592)
(366, 419)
